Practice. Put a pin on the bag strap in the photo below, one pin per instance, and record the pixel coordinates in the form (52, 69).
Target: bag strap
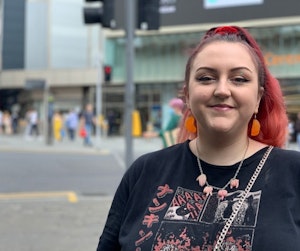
(242, 199)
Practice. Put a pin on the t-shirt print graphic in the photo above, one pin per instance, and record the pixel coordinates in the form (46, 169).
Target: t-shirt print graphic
(186, 205)
(194, 221)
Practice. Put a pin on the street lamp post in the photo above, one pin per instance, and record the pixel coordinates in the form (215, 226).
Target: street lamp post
(129, 87)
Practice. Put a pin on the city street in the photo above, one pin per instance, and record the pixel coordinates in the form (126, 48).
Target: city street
(56, 198)
(71, 68)
(85, 174)
(52, 224)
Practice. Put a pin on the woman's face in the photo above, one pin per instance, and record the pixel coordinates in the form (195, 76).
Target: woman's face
(223, 92)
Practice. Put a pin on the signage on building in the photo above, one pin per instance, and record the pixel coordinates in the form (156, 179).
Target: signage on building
(209, 4)
(35, 84)
(193, 12)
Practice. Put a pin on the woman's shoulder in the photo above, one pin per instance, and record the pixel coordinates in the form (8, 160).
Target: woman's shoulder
(286, 157)
(165, 153)
(287, 153)
(277, 157)
(163, 157)
(279, 153)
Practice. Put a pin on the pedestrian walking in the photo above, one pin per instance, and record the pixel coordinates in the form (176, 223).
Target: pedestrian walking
(297, 130)
(6, 122)
(58, 125)
(169, 133)
(33, 122)
(1, 121)
(88, 122)
(72, 124)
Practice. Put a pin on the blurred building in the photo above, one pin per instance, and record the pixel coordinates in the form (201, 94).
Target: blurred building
(47, 40)
(46, 44)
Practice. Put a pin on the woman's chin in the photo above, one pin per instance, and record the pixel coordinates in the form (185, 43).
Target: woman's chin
(221, 129)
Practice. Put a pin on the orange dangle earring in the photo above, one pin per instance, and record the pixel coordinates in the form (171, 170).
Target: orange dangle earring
(255, 128)
(190, 124)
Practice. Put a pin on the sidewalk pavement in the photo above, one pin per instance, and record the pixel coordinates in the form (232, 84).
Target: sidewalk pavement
(101, 145)
(60, 226)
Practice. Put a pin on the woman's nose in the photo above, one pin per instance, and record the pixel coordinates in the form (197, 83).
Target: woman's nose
(222, 89)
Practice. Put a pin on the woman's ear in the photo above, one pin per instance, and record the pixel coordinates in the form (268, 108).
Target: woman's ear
(259, 96)
(186, 95)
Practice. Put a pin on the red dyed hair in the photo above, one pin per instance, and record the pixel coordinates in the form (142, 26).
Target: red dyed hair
(272, 111)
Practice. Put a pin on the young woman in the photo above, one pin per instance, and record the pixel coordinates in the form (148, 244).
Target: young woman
(228, 185)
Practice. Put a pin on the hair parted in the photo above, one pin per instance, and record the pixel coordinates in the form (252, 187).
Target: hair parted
(272, 111)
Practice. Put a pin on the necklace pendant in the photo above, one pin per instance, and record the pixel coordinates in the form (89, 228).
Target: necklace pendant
(201, 179)
(222, 194)
(208, 190)
(234, 183)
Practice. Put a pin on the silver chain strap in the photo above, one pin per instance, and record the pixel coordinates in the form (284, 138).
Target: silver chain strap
(241, 200)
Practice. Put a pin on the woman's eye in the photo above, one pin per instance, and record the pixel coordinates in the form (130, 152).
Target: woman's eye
(204, 79)
(239, 80)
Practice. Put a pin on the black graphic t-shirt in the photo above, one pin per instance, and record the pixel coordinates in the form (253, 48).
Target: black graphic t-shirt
(159, 205)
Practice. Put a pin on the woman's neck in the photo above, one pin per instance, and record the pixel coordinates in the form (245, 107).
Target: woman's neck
(224, 152)
(221, 152)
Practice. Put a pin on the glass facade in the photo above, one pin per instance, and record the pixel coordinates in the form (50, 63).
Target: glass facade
(36, 35)
(13, 42)
(56, 36)
(160, 59)
(163, 57)
(281, 46)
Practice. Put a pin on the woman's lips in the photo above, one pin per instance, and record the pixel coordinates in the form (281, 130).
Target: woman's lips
(222, 107)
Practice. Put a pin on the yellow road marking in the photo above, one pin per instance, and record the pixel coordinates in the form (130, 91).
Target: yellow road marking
(71, 196)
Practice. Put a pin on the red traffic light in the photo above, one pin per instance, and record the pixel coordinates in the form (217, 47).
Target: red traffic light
(107, 73)
(107, 69)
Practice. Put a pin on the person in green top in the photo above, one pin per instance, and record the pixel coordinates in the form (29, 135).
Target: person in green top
(169, 133)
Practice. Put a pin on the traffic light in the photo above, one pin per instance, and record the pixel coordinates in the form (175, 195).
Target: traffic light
(148, 14)
(103, 14)
(107, 73)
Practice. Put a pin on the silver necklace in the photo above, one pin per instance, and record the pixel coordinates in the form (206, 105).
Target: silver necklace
(222, 192)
